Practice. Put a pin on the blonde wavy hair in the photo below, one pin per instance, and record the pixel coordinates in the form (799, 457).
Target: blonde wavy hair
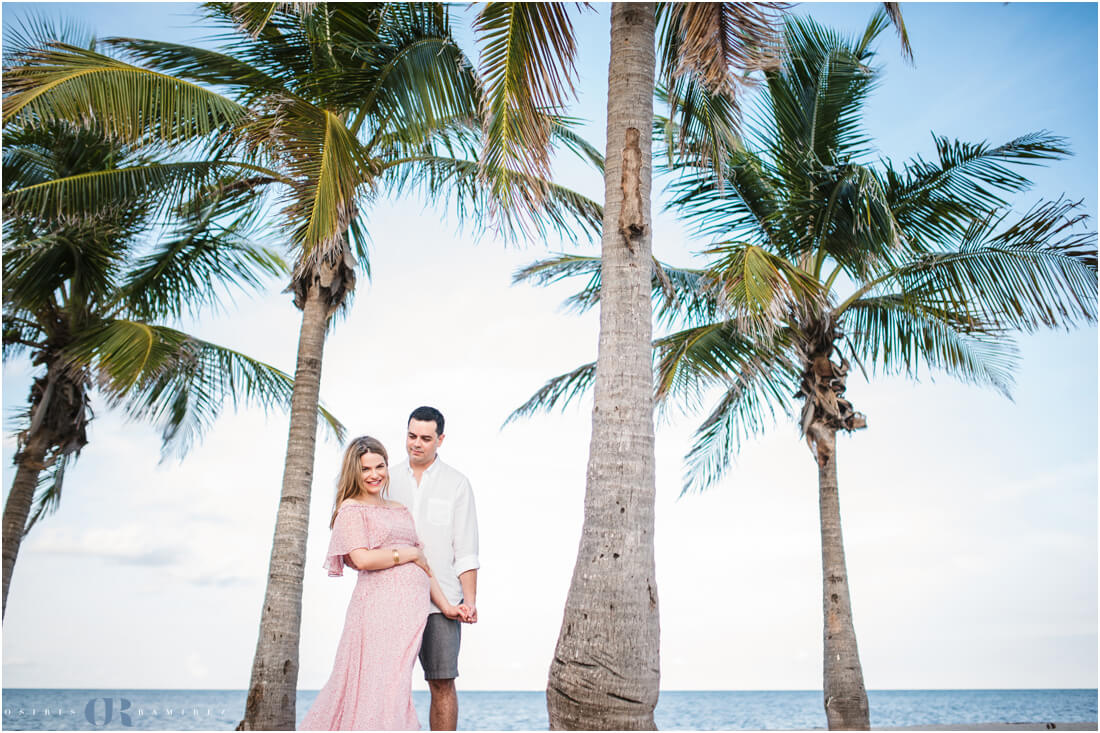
(350, 483)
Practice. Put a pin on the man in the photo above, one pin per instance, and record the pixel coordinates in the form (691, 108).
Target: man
(442, 506)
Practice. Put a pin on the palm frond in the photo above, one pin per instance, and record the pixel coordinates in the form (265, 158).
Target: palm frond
(253, 17)
(210, 249)
(897, 334)
(893, 12)
(47, 496)
(528, 71)
(564, 132)
(852, 222)
(559, 391)
(458, 137)
(719, 44)
(696, 359)
(708, 52)
(20, 334)
(759, 393)
(679, 294)
(200, 65)
(327, 166)
(759, 288)
(816, 98)
(701, 130)
(404, 74)
(76, 261)
(537, 204)
(280, 47)
(66, 253)
(178, 382)
(1038, 271)
(34, 31)
(60, 81)
(936, 200)
(417, 91)
(747, 205)
(87, 192)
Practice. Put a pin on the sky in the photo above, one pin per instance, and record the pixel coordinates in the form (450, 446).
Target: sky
(970, 521)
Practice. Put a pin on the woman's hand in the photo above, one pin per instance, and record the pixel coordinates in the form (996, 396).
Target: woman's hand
(416, 555)
(452, 612)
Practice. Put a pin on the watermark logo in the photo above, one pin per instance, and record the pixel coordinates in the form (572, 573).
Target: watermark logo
(111, 712)
(92, 708)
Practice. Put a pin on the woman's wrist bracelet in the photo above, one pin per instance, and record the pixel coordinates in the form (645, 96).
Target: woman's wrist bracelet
(396, 557)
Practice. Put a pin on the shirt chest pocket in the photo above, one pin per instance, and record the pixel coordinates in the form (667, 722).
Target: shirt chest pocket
(439, 512)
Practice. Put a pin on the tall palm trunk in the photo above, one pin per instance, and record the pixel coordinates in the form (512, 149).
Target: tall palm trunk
(845, 697)
(824, 412)
(30, 463)
(271, 691)
(60, 413)
(605, 673)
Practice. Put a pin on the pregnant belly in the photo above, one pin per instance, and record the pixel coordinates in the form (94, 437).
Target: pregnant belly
(406, 584)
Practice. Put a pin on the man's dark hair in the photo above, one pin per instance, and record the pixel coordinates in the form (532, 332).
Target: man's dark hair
(428, 414)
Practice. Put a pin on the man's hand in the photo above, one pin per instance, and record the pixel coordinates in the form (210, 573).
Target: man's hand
(469, 613)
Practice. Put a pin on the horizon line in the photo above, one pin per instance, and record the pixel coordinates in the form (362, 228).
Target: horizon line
(877, 689)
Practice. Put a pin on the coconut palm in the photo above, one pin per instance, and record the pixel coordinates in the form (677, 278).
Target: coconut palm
(604, 614)
(85, 296)
(332, 106)
(823, 258)
(605, 671)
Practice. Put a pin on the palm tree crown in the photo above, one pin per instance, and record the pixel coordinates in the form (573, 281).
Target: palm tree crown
(86, 296)
(815, 247)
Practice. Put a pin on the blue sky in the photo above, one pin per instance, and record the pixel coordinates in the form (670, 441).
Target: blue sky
(970, 520)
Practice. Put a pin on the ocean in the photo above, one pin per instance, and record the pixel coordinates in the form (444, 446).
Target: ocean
(30, 709)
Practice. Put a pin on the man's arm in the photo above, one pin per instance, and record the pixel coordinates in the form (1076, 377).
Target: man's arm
(466, 548)
(469, 594)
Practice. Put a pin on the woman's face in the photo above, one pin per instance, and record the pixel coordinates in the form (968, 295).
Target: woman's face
(374, 474)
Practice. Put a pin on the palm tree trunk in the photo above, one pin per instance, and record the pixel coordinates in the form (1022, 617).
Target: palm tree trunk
(271, 691)
(845, 696)
(29, 464)
(606, 671)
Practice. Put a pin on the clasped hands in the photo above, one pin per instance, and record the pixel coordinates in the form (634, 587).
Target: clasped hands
(464, 612)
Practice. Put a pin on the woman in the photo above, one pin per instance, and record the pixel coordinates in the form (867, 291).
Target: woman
(371, 683)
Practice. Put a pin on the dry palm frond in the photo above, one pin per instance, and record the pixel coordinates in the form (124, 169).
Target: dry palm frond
(253, 17)
(893, 12)
(720, 42)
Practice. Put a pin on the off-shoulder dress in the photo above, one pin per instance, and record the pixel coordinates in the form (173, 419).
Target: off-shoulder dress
(371, 683)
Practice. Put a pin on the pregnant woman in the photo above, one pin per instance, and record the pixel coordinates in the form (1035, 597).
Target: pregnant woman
(371, 683)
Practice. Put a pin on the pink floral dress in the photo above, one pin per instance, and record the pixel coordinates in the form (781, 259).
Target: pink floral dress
(371, 683)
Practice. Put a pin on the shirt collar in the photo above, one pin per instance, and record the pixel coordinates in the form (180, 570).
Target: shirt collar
(429, 470)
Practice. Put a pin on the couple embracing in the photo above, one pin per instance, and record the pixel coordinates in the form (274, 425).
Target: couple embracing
(411, 533)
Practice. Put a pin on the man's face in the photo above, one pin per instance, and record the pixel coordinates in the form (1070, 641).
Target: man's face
(421, 442)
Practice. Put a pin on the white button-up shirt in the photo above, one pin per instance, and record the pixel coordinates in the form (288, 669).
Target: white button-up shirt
(446, 521)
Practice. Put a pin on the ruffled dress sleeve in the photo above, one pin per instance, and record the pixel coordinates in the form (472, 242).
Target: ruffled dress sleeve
(351, 530)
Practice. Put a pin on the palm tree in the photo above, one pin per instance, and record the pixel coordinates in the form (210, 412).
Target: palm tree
(611, 610)
(605, 671)
(83, 294)
(823, 259)
(331, 105)
(604, 615)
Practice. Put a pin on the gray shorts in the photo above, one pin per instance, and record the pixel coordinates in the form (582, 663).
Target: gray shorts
(439, 647)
